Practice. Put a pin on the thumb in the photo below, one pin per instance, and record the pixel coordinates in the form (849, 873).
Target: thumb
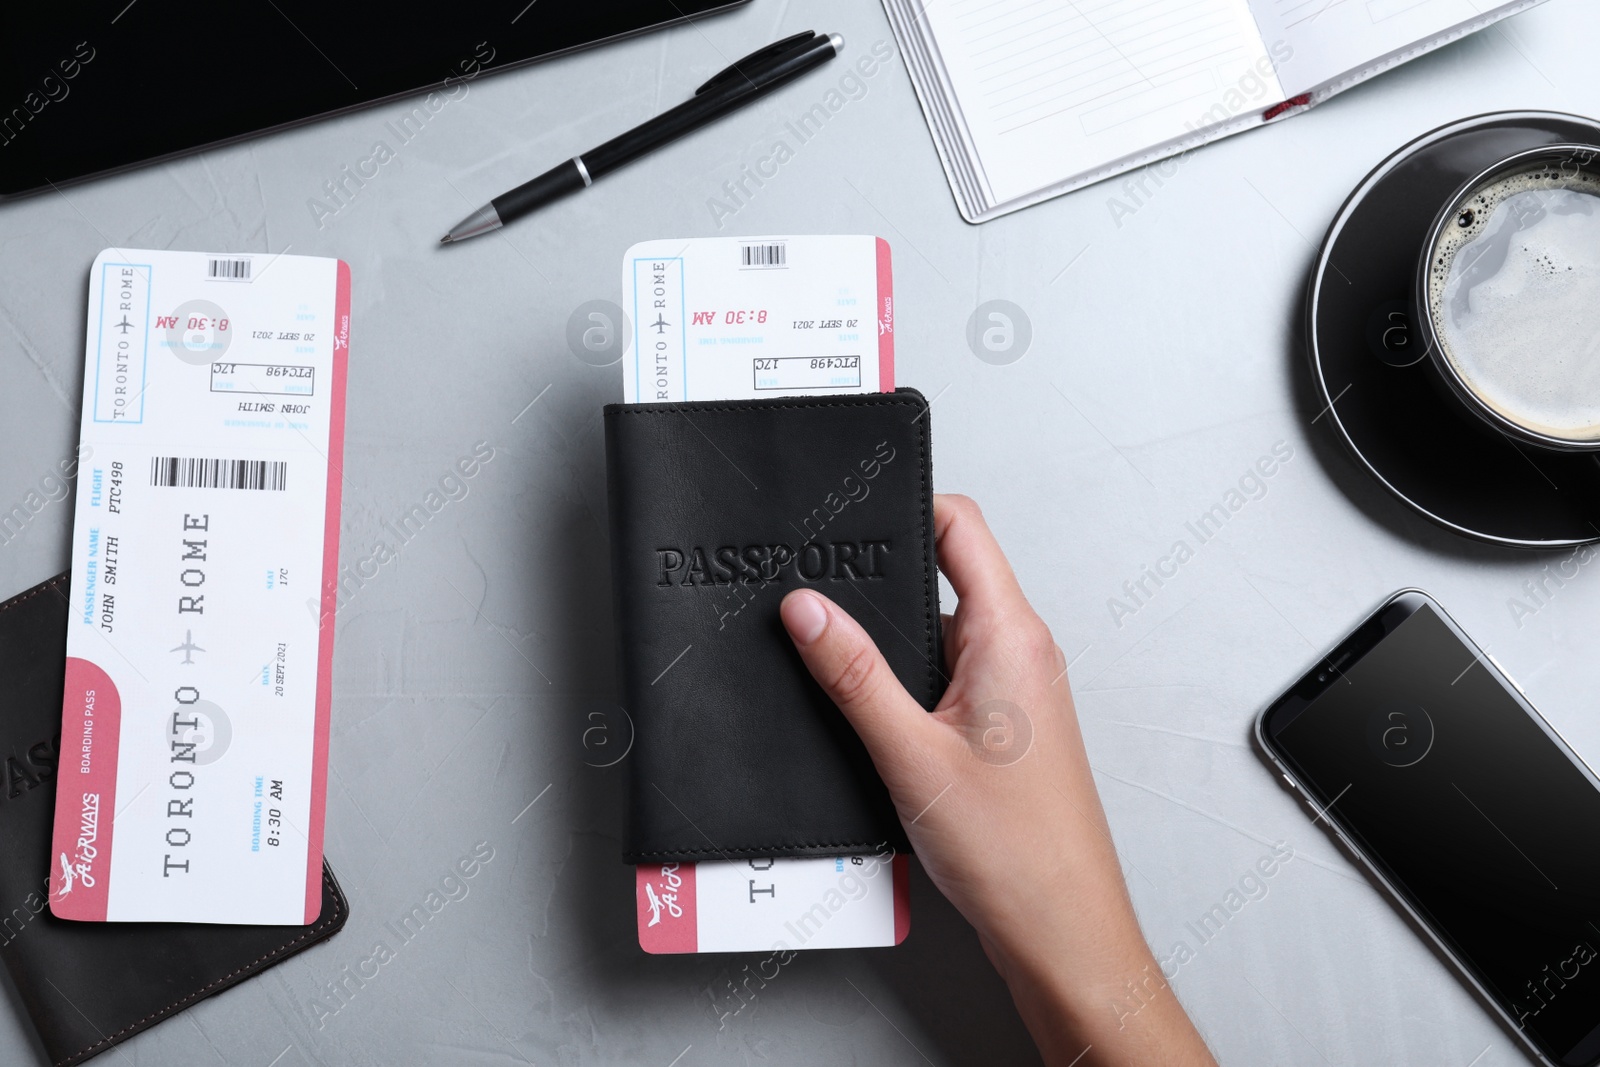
(851, 670)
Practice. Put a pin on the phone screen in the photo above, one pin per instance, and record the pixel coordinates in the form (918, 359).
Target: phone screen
(1474, 811)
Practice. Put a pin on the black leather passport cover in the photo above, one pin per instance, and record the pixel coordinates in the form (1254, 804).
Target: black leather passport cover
(88, 986)
(718, 510)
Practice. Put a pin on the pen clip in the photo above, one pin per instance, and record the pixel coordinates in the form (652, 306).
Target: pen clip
(772, 51)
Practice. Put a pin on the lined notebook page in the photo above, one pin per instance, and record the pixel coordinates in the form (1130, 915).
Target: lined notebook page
(1049, 89)
(1331, 38)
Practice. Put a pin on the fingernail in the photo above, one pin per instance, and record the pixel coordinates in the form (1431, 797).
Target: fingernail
(804, 616)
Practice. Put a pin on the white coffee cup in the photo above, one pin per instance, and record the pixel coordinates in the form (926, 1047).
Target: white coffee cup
(1507, 293)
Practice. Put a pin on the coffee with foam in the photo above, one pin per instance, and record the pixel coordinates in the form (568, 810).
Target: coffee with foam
(1514, 297)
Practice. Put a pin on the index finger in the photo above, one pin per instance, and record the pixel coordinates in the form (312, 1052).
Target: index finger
(970, 556)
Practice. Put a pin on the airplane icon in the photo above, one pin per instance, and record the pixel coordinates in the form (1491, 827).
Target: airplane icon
(124, 325)
(188, 647)
(655, 904)
(660, 324)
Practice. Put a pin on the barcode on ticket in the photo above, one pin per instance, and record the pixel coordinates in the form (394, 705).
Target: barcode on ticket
(231, 270)
(188, 472)
(772, 255)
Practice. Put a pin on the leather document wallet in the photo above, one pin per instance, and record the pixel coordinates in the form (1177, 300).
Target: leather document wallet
(90, 985)
(717, 511)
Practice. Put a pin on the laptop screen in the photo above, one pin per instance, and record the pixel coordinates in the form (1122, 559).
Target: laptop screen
(86, 88)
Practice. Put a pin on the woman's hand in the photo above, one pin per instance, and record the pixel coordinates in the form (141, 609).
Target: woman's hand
(995, 792)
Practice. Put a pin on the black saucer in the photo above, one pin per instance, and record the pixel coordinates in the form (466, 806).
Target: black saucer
(1365, 358)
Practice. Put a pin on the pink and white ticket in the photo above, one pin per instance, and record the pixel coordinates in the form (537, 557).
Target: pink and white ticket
(205, 544)
(736, 318)
(774, 904)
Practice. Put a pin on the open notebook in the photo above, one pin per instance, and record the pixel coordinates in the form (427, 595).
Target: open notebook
(1028, 99)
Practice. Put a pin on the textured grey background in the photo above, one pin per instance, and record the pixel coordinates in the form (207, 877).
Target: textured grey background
(1161, 367)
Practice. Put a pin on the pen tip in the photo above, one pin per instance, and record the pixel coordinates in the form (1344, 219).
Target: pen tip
(445, 239)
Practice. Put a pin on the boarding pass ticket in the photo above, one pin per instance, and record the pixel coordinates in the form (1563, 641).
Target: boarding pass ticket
(774, 904)
(194, 733)
(717, 318)
(714, 318)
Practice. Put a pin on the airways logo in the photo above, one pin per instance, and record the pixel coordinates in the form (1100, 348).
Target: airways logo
(752, 564)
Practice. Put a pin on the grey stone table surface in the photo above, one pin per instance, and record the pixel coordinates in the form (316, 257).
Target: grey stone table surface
(1162, 365)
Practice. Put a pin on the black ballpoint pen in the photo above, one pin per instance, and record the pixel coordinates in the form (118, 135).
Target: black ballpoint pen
(743, 81)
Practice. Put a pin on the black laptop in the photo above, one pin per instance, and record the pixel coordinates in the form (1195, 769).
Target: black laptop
(95, 87)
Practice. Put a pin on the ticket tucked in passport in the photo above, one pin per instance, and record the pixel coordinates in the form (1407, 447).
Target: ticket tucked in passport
(774, 904)
(733, 318)
(721, 318)
(194, 739)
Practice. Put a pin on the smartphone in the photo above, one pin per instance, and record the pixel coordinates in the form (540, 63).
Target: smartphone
(1427, 762)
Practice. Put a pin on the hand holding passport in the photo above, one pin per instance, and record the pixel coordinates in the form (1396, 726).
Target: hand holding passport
(741, 525)
(996, 793)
